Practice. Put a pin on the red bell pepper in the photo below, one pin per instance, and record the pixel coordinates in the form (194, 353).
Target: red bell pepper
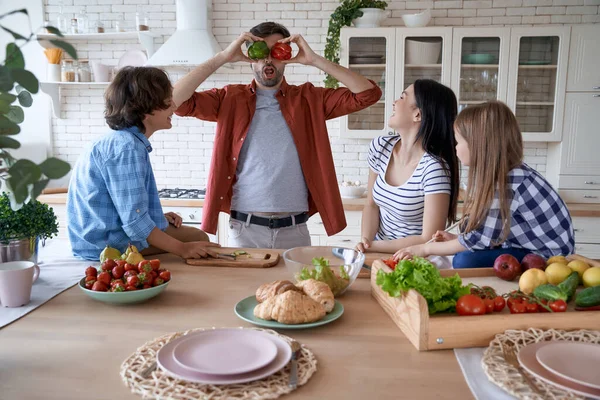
(281, 51)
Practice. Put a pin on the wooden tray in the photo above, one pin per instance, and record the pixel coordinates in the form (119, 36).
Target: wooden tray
(256, 258)
(447, 331)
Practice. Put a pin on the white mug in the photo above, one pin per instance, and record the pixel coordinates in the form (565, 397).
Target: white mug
(16, 280)
(101, 72)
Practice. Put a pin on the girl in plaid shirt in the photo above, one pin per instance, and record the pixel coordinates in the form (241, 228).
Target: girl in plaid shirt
(511, 208)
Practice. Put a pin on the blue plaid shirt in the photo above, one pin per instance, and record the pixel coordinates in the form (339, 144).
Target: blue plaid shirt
(113, 199)
(540, 221)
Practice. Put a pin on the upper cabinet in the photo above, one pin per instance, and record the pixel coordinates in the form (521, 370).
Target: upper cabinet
(524, 67)
(584, 60)
(370, 52)
(480, 64)
(537, 80)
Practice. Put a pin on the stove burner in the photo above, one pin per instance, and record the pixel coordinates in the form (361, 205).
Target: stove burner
(182, 193)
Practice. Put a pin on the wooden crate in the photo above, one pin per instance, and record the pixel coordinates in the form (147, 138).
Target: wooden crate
(448, 331)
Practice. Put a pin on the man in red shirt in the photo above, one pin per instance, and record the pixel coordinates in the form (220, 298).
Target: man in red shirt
(272, 166)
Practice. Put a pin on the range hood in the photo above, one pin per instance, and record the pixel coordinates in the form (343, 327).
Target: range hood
(193, 42)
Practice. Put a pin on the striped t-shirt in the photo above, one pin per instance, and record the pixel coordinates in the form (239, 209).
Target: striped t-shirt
(401, 207)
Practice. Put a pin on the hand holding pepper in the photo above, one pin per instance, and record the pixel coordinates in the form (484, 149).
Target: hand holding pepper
(233, 52)
(305, 55)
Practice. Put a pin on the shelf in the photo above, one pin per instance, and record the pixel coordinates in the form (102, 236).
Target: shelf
(538, 66)
(52, 89)
(535, 103)
(423, 65)
(146, 38)
(479, 66)
(366, 65)
(469, 102)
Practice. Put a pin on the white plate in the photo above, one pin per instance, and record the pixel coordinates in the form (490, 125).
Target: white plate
(132, 58)
(225, 351)
(167, 363)
(578, 362)
(527, 359)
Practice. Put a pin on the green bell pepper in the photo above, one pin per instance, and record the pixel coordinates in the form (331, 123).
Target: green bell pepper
(258, 50)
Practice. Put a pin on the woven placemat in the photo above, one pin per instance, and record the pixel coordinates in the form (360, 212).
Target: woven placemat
(510, 379)
(161, 386)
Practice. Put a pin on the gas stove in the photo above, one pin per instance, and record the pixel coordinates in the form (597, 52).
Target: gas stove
(182, 193)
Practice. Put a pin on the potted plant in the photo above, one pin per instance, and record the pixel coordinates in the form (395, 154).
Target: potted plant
(349, 11)
(21, 230)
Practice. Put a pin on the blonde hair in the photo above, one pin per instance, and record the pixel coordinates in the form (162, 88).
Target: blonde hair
(496, 147)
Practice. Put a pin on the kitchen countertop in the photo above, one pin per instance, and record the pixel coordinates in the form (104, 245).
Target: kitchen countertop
(576, 210)
(72, 347)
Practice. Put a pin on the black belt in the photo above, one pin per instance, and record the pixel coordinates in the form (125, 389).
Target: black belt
(272, 223)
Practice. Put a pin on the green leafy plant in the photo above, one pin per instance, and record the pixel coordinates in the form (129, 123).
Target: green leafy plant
(33, 220)
(22, 179)
(343, 16)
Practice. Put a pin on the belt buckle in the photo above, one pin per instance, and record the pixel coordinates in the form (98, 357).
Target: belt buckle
(272, 222)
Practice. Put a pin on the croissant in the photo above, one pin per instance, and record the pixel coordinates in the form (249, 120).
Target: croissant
(319, 292)
(273, 289)
(290, 307)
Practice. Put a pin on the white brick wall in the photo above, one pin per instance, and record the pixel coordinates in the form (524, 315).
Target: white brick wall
(181, 156)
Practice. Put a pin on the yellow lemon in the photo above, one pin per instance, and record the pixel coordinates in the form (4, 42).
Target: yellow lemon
(531, 279)
(557, 272)
(557, 259)
(578, 266)
(591, 277)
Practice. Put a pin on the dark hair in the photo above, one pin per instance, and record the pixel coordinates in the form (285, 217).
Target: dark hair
(438, 107)
(135, 92)
(265, 29)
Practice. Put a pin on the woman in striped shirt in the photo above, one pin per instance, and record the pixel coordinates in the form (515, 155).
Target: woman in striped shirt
(512, 209)
(413, 181)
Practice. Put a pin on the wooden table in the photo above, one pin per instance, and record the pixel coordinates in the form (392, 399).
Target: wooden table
(72, 347)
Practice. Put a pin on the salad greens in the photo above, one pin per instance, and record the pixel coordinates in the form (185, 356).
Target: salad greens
(419, 274)
(322, 272)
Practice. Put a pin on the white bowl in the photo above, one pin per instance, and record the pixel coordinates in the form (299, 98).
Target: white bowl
(421, 51)
(372, 18)
(417, 20)
(352, 191)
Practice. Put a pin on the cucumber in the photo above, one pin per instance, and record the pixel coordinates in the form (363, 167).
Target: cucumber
(550, 292)
(569, 285)
(588, 297)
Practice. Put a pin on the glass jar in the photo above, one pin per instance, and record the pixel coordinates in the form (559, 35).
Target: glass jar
(67, 73)
(99, 27)
(84, 72)
(62, 21)
(120, 24)
(141, 21)
(82, 22)
(74, 29)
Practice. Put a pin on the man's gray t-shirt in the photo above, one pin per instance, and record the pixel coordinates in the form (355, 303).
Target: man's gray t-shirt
(269, 175)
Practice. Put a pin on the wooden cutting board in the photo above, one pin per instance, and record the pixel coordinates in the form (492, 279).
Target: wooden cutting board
(256, 258)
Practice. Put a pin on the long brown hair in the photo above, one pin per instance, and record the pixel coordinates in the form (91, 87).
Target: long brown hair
(496, 147)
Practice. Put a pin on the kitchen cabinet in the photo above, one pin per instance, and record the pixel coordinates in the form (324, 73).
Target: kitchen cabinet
(524, 67)
(584, 59)
(349, 237)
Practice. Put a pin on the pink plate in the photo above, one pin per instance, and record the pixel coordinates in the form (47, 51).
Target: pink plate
(583, 361)
(225, 351)
(528, 360)
(167, 363)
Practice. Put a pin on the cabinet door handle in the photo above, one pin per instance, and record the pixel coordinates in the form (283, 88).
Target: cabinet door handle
(590, 197)
(577, 230)
(319, 223)
(597, 95)
(346, 240)
(589, 182)
(596, 88)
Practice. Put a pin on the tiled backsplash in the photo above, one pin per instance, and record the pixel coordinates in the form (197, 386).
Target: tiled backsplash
(182, 155)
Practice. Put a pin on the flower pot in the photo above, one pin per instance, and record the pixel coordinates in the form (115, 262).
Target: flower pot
(19, 250)
(372, 18)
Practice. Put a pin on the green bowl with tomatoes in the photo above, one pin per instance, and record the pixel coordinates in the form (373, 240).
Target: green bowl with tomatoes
(127, 297)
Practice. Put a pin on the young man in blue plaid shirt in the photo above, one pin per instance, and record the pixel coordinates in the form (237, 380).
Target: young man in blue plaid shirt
(113, 199)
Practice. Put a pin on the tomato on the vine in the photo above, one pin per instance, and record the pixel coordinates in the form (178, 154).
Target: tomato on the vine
(489, 305)
(470, 304)
(499, 303)
(518, 308)
(558, 306)
(531, 307)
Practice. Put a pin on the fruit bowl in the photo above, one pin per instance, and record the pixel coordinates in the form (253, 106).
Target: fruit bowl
(299, 261)
(131, 297)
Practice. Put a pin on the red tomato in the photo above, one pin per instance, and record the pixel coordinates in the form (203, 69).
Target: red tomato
(146, 286)
(470, 304)
(127, 274)
(558, 306)
(130, 267)
(117, 272)
(542, 309)
(155, 264)
(165, 275)
(499, 303)
(281, 51)
(100, 287)
(144, 266)
(91, 271)
(104, 277)
(390, 263)
(531, 307)
(489, 305)
(518, 308)
(133, 281)
(130, 288)
(158, 281)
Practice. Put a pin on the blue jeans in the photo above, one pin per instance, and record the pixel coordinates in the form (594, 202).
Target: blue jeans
(484, 258)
